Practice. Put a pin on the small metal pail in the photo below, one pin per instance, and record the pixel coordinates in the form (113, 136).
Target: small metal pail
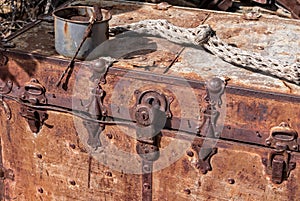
(70, 24)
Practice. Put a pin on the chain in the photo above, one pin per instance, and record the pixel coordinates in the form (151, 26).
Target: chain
(205, 36)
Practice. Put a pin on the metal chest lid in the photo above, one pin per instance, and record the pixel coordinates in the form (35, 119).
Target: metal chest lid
(269, 36)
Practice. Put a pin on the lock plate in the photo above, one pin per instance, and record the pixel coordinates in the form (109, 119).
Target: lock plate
(150, 112)
(34, 93)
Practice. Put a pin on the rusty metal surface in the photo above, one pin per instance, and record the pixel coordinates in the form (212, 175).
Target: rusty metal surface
(270, 36)
(249, 114)
(237, 174)
(56, 166)
(54, 163)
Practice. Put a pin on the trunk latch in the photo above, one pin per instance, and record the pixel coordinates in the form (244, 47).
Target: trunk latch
(279, 164)
(33, 94)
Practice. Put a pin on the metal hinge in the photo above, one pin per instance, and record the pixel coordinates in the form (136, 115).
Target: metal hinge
(201, 154)
(34, 93)
(279, 164)
(96, 110)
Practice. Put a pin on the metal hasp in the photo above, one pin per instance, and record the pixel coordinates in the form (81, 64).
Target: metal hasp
(215, 88)
(33, 93)
(96, 110)
(278, 163)
(150, 112)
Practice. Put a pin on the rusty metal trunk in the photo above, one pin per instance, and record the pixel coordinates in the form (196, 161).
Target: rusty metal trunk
(165, 122)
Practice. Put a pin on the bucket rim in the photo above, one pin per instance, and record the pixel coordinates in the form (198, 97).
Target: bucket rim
(54, 14)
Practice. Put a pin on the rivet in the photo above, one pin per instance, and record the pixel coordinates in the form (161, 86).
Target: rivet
(190, 153)
(109, 135)
(268, 142)
(146, 168)
(73, 146)
(187, 191)
(40, 190)
(147, 186)
(258, 134)
(295, 147)
(109, 174)
(72, 182)
(39, 156)
(231, 181)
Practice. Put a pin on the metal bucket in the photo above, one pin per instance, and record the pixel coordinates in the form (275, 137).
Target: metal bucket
(70, 24)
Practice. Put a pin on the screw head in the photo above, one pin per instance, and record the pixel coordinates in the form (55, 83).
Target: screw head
(268, 143)
(295, 147)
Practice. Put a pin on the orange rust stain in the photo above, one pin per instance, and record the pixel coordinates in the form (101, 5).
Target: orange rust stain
(191, 75)
(66, 28)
